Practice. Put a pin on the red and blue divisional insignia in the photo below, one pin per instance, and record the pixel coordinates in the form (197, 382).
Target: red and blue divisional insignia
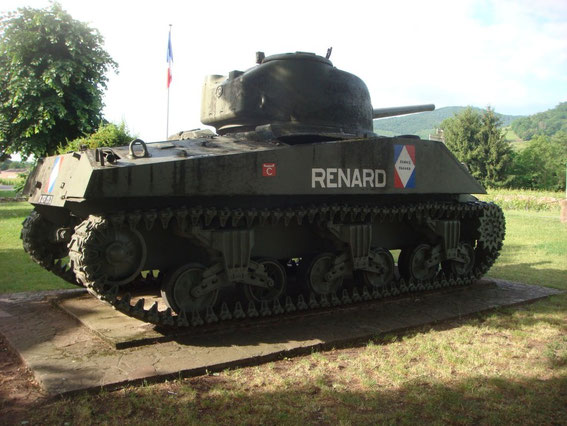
(404, 166)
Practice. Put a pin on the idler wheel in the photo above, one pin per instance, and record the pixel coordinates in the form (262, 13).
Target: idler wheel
(417, 263)
(462, 268)
(51, 255)
(383, 261)
(277, 273)
(317, 275)
(123, 254)
(35, 236)
(177, 287)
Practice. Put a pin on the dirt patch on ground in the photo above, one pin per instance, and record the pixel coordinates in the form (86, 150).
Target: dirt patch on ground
(18, 391)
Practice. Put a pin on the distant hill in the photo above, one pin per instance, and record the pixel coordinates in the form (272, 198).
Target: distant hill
(544, 123)
(425, 123)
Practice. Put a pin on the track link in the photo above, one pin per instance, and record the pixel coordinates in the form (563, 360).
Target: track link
(490, 235)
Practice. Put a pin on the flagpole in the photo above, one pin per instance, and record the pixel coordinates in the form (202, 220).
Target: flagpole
(168, 81)
(167, 122)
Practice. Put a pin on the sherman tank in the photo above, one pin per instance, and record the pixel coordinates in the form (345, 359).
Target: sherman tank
(294, 203)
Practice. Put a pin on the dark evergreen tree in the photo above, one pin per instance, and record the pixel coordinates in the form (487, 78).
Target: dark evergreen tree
(477, 140)
(493, 150)
(461, 134)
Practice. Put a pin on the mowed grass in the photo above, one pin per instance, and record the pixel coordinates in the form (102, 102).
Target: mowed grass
(505, 367)
(17, 271)
(7, 193)
(535, 249)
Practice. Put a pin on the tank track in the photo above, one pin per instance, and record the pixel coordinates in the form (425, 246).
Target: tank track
(490, 235)
(48, 255)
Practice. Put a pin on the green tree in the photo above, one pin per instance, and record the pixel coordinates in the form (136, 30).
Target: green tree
(460, 133)
(494, 149)
(541, 164)
(478, 141)
(10, 164)
(52, 78)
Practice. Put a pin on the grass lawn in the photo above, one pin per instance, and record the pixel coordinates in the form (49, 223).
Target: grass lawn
(19, 272)
(535, 249)
(7, 193)
(507, 367)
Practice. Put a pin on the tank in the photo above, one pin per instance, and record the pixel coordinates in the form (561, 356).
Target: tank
(292, 204)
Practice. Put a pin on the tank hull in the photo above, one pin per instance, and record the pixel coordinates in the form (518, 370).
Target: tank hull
(224, 171)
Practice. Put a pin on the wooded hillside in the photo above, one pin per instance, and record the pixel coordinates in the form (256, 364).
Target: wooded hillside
(546, 123)
(424, 123)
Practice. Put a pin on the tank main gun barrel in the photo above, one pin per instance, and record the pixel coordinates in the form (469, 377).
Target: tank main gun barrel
(392, 112)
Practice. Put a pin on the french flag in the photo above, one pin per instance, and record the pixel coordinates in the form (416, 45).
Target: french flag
(169, 59)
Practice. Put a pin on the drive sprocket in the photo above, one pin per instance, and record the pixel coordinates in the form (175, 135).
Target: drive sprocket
(492, 228)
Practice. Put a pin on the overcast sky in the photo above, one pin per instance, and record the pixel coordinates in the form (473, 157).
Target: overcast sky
(511, 55)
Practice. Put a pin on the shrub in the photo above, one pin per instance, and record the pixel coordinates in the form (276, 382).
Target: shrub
(108, 134)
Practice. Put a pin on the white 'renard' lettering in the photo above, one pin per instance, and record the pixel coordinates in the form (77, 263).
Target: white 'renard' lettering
(331, 183)
(349, 178)
(380, 178)
(344, 178)
(318, 175)
(367, 177)
(356, 181)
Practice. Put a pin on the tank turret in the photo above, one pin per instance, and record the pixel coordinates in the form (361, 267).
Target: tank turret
(294, 94)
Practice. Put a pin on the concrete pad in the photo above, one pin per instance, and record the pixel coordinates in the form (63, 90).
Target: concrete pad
(112, 326)
(76, 349)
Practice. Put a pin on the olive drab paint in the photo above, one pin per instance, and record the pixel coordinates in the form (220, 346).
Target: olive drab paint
(293, 181)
